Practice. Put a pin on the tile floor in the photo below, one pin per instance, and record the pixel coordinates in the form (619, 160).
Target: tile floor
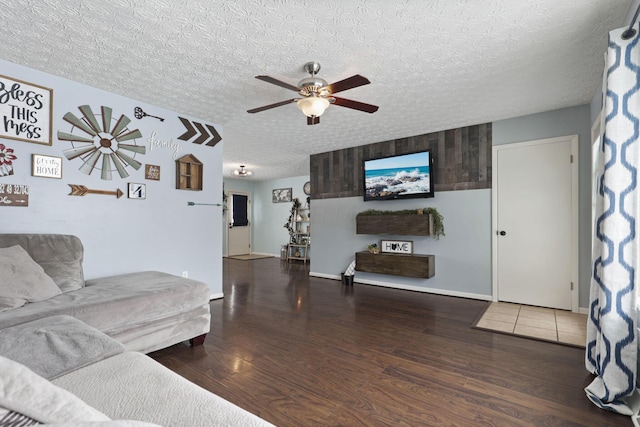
(544, 323)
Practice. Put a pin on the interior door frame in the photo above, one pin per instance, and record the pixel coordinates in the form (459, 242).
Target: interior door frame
(575, 218)
(228, 217)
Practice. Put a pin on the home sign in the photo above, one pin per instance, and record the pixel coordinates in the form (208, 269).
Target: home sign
(396, 246)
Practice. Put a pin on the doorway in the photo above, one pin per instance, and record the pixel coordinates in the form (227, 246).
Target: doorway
(535, 223)
(239, 224)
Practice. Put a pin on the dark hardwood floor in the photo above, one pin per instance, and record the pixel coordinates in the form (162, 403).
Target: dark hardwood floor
(301, 351)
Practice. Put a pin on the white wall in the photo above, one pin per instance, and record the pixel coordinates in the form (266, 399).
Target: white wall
(270, 217)
(121, 235)
(268, 233)
(462, 256)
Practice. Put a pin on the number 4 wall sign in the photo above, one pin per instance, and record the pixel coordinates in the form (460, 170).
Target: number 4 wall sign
(25, 111)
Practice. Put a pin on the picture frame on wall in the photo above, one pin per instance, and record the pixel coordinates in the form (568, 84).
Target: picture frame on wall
(152, 172)
(137, 191)
(281, 195)
(28, 117)
(404, 247)
(46, 166)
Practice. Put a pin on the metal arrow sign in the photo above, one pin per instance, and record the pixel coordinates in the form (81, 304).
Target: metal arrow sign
(81, 190)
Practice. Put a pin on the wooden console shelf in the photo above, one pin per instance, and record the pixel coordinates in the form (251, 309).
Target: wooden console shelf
(399, 225)
(422, 266)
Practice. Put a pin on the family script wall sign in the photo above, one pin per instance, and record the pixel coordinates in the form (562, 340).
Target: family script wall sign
(25, 111)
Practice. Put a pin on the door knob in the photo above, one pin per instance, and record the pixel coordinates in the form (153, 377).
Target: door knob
(503, 233)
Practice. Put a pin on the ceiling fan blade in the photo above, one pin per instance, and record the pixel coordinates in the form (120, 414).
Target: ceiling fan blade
(278, 83)
(268, 107)
(348, 83)
(360, 106)
(313, 120)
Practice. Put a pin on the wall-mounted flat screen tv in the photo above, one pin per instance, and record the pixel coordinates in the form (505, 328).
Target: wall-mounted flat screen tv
(404, 176)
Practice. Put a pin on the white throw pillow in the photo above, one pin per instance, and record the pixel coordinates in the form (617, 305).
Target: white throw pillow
(25, 392)
(22, 279)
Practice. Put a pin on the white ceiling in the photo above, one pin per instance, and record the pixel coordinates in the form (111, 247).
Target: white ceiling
(433, 64)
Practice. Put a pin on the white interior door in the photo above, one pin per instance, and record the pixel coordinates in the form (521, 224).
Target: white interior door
(239, 224)
(536, 223)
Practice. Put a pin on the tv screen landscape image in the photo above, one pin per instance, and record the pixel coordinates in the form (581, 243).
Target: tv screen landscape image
(403, 176)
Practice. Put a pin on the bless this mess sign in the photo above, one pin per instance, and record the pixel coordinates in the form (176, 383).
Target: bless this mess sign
(25, 111)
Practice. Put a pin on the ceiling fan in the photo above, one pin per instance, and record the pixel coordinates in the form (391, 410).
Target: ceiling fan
(317, 94)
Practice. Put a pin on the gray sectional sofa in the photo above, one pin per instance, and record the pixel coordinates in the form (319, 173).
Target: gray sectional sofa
(59, 370)
(145, 311)
(71, 351)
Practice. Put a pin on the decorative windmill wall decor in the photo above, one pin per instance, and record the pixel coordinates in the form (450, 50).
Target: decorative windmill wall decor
(106, 144)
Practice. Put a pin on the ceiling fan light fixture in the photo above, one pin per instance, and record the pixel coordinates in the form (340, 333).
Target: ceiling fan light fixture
(242, 172)
(313, 106)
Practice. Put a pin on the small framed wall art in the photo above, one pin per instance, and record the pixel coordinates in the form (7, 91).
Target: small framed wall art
(46, 166)
(137, 191)
(25, 111)
(14, 195)
(152, 172)
(280, 195)
(396, 247)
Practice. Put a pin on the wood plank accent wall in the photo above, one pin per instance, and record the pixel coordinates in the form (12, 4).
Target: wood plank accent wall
(462, 161)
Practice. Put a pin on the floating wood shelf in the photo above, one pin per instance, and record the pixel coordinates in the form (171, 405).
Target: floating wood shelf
(421, 266)
(400, 225)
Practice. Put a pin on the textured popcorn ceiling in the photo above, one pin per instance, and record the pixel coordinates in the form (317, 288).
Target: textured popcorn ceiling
(433, 64)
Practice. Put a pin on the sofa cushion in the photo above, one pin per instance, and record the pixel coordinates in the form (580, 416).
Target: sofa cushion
(59, 255)
(117, 303)
(22, 280)
(62, 344)
(24, 392)
(169, 399)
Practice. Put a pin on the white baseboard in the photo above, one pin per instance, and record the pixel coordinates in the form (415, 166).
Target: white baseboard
(445, 292)
(216, 296)
(325, 276)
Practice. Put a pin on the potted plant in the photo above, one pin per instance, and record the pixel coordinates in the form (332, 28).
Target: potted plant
(290, 224)
(438, 222)
(373, 248)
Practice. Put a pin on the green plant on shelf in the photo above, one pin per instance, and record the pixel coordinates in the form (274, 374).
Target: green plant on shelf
(290, 224)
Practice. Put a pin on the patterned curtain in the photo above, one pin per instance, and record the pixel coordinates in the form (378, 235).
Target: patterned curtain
(612, 339)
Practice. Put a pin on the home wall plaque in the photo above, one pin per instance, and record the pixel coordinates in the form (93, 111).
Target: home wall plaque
(46, 166)
(25, 111)
(396, 246)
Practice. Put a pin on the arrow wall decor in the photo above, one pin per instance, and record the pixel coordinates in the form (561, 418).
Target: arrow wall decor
(204, 132)
(81, 190)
